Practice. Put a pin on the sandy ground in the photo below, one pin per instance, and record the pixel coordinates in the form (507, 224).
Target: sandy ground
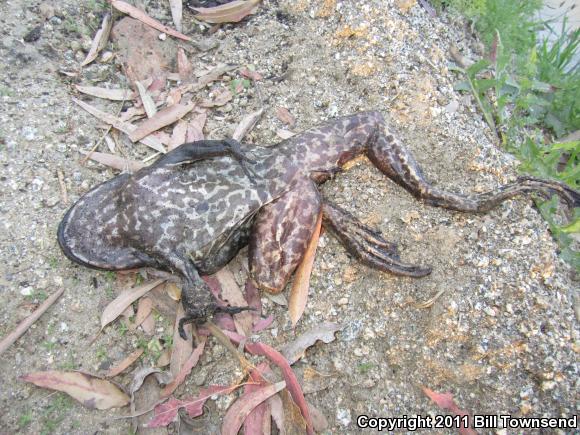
(502, 337)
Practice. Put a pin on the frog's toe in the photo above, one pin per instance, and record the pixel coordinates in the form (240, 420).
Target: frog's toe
(196, 315)
(233, 310)
(392, 264)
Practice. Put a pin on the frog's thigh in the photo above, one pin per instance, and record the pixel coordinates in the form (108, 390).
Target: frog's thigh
(281, 232)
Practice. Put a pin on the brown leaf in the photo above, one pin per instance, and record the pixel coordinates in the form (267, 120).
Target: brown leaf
(126, 298)
(222, 98)
(195, 128)
(138, 14)
(277, 412)
(299, 291)
(162, 118)
(318, 419)
(251, 74)
(124, 364)
(239, 410)
(247, 124)
(284, 134)
(185, 368)
(100, 40)
(173, 97)
(178, 135)
(182, 349)
(143, 310)
(89, 390)
(140, 375)
(294, 422)
(284, 115)
(108, 94)
(148, 325)
(295, 350)
(176, 12)
(164, 359)
(174, 291)
(231, 293)
(445, 401)
(125, 127)
(146, 99)
(114, 161)
(184, 67)
(229, 13)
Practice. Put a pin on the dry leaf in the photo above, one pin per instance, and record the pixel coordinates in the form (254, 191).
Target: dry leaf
(258, 420)
(295, 350)
(231, 293)
(182, 349)
(184, 67)
(173, 97)
(124, 364)
(318, 419)
(114, 161)
(229, 13)
(143, 310)
(178, 136)
(248, 73)
(220, 99)
(126, 298)
(138, 14)
(445, 401)
(100, 40)
(108, 94)
(185, 368)
(299, 291)
(139, 376)
(125, 127)
(195, 128)
(277, 412)
(161, 119)
(240, 409)
(148, 325)
(164, 359)
(284, 134)
(176, 12)
(173, 290)
(247, 124)
(284, 115)
(89, 390)
(148, 103)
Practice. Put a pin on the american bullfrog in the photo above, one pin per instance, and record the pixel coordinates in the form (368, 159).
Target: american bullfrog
(193, 209)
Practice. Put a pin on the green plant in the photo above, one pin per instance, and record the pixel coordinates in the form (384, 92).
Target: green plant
(24, 420)
(54, 413)
(364, 368)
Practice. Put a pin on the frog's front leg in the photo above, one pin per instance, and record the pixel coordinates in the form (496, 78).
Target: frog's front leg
(393, 159)
(198, 302)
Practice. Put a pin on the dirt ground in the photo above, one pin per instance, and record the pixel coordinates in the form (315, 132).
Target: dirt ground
(502, 337)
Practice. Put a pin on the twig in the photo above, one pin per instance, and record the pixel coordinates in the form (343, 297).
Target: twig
(221, 337)
(26, 323)
(63, 193)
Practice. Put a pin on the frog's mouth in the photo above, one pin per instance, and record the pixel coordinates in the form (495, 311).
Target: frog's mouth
(81, 233)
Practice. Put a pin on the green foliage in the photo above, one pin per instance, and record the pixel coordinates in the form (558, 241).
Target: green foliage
(529, 96)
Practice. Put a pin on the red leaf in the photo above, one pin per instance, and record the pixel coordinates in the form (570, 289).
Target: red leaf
(445, 401)
(262, 324)
(250, 74)
(194, 406)
(240, 409)
(284, 115)
(277, 358)
(185, 369)
(165, 413)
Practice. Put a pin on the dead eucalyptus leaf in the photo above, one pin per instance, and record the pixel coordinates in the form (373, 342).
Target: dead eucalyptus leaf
(138, 14)
(186, 368)
(231, 293)
(195, 128)
(146, 99)
(125, 127)
(299, 291)
(247, 124)
(232, 12)
(284, 134)
(100, 40)
(163, 378)
(107, 94)
(126, 298)
(182, 349)
(184, 67)
(124, 364)
(178, 135)
(295, 350)
(161, 119)
(114, 161)
(176, 12)
(92, 392)
(285, 116)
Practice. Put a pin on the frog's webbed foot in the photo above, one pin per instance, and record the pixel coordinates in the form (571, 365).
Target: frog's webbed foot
(367, 245)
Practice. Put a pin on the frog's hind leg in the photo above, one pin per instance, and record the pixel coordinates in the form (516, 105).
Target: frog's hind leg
(280, 235)
(394, 160)
(367, 245)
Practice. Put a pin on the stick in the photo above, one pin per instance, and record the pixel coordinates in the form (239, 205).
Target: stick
(26, 323)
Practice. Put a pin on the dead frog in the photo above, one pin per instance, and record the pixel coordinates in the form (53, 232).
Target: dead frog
(193, 209)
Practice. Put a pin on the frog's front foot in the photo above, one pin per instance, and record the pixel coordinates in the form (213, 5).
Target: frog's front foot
(235, 149)
(200, 314)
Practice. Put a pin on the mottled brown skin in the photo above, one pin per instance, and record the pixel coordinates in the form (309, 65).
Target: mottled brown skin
(194, 208)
